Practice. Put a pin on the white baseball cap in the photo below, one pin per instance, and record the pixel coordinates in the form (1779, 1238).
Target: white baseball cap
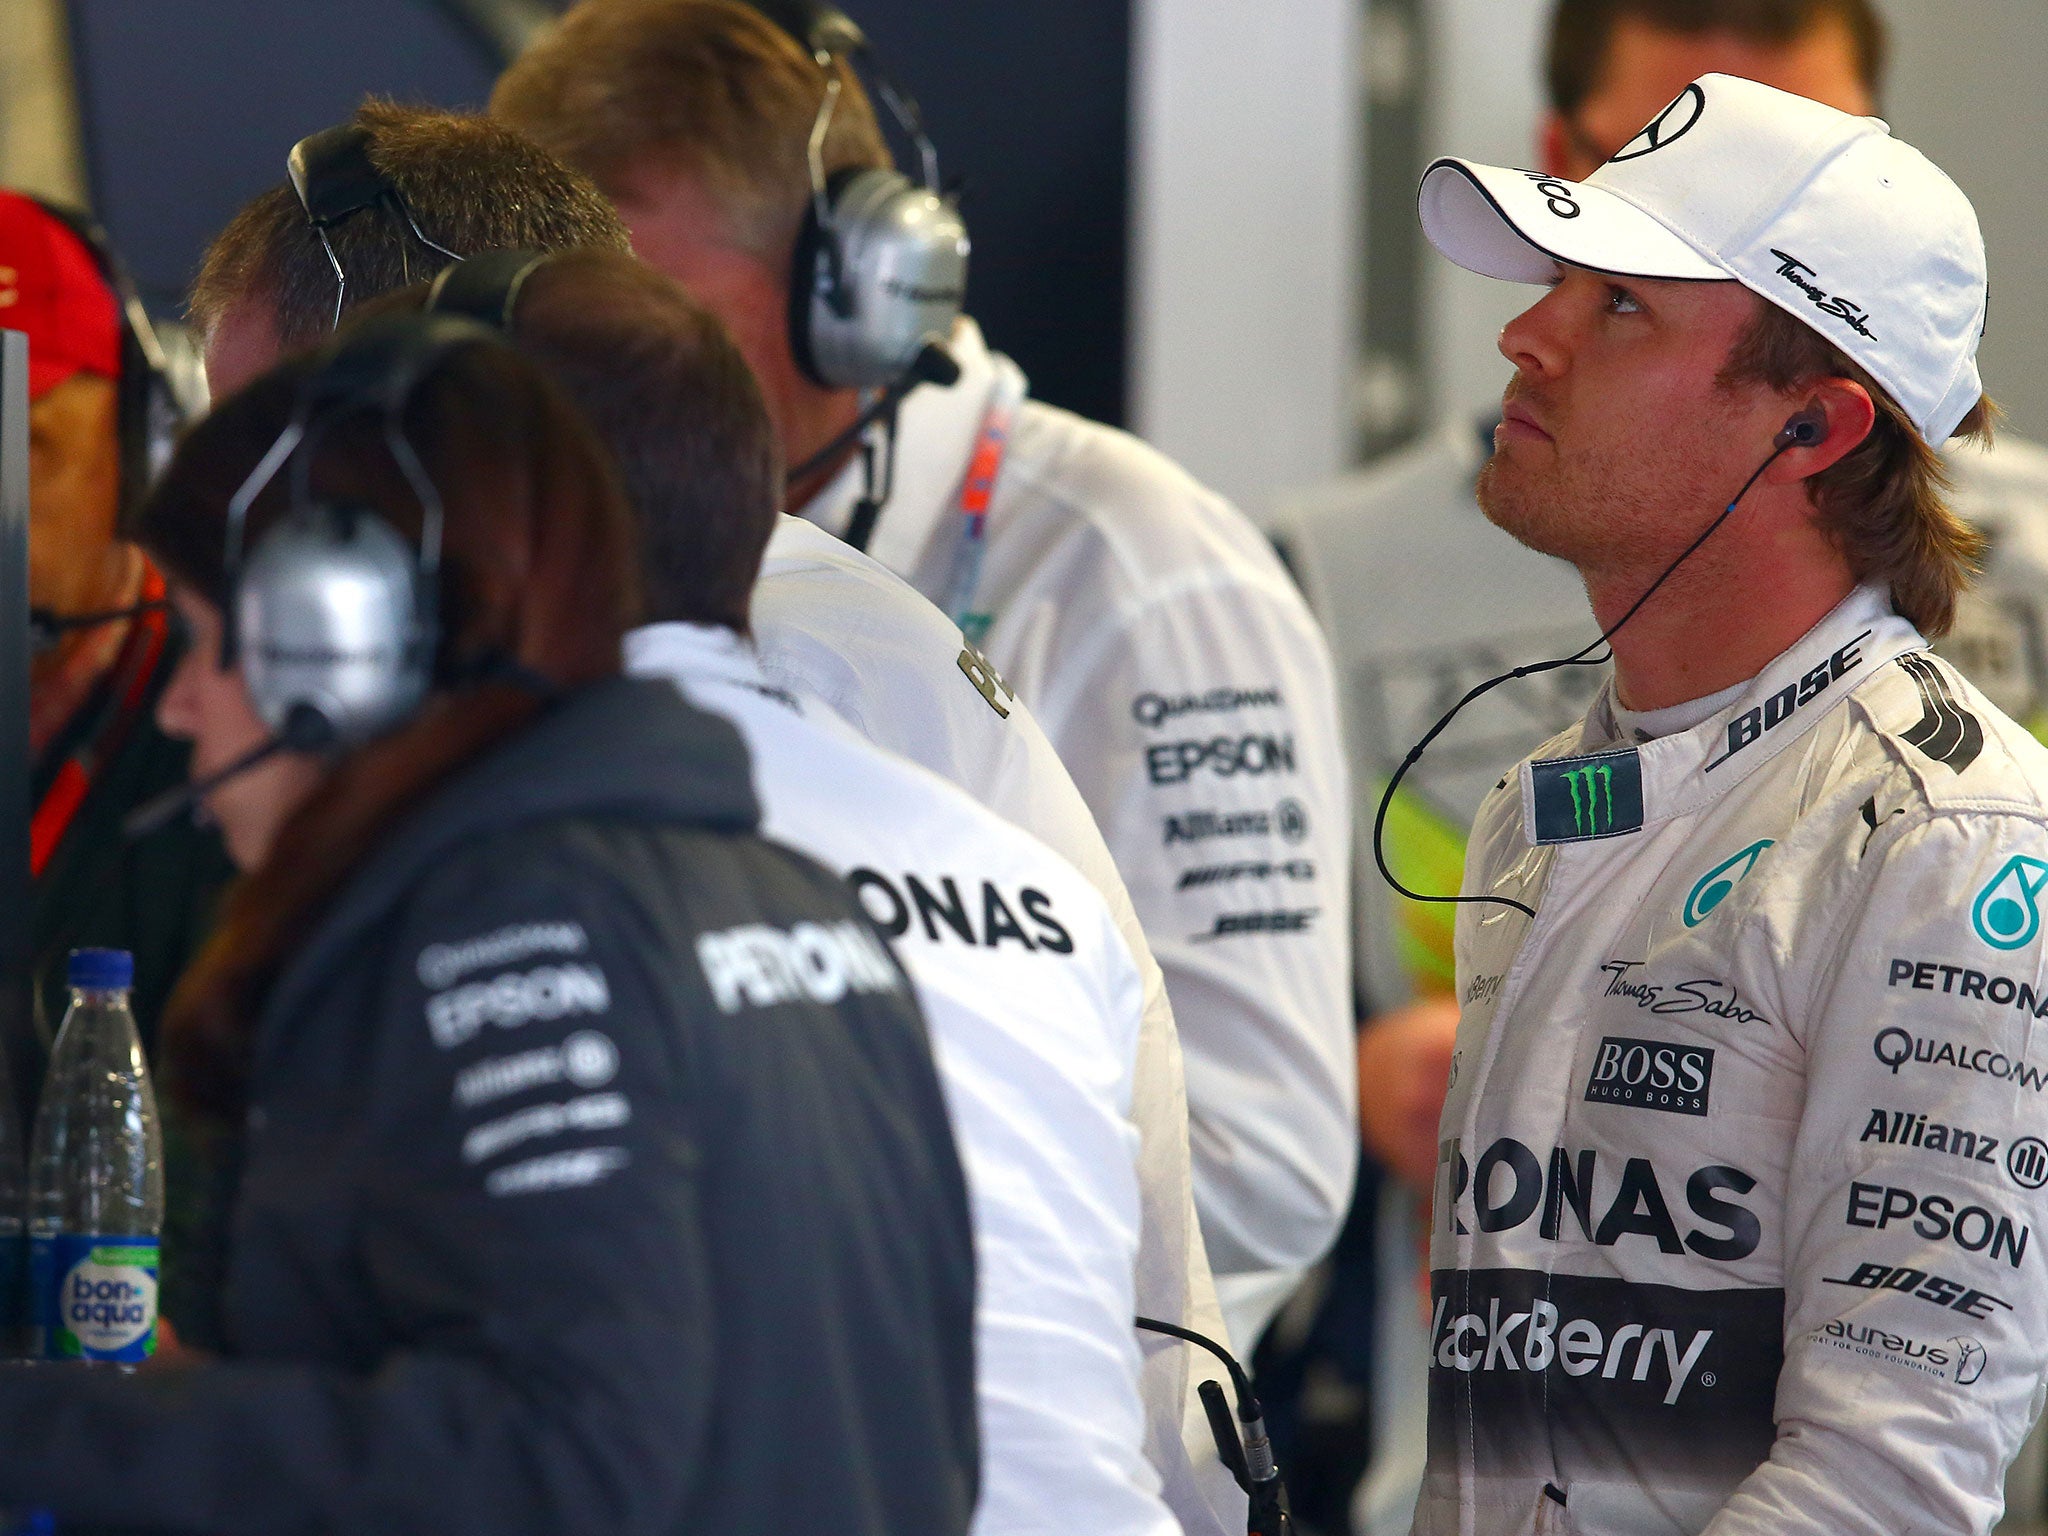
(1825, 215)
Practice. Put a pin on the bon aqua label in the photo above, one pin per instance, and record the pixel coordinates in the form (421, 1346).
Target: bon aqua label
(99, 1298)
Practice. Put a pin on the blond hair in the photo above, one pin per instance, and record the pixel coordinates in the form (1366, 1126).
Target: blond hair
(708, 88)
(1884, 503)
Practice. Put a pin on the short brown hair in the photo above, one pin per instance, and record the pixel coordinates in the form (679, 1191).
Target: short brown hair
(1884, 503)
(668, 392)
(710, 88)
(472, 184)
(1581, 30)
(537, 571)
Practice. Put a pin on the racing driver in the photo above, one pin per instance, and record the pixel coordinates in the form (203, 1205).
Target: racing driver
(1740, 1163)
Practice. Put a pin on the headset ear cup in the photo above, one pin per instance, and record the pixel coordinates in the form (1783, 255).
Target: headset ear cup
(816, 281)
(331, 622)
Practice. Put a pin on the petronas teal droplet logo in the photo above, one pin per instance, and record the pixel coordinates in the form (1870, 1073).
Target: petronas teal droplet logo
(2005, 913)
(1713, 887)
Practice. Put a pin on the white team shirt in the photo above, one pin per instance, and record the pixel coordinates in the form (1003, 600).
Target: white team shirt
(831, 624)
(1742, 1177)
(1422, 598)
(1176, 669)
(1035, 1006)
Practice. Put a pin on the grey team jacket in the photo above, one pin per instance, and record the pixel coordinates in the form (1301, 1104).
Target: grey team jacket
(597, 1180)
(1738, 1222)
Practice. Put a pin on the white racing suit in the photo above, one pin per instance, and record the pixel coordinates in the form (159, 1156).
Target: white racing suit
(1742, 1167)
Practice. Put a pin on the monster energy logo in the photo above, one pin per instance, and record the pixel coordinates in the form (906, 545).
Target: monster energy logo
(1592, 790)
(1584, 797)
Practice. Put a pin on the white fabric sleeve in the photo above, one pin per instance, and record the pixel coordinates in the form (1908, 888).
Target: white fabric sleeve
(1916, 1270)
(1201, 727)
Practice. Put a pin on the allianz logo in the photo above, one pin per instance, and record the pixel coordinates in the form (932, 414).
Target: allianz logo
(1577, 1346)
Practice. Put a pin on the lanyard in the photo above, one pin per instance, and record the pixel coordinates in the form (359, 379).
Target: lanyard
(991, 444)
(128, 683)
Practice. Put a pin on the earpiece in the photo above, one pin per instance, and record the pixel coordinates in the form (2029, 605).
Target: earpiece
(334, 614)
(1802, 429)
(880, 267)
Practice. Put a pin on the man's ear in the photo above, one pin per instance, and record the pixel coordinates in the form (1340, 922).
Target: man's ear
(1849, 413)
(1552, 148)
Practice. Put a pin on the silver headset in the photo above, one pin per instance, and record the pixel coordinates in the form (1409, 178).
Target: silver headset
(880, 267)
(334, 615)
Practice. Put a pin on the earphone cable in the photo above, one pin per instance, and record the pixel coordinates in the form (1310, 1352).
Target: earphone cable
(1580, 658)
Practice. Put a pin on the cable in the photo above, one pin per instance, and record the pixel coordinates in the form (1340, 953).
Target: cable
(1802, 431)
(1252, 1463)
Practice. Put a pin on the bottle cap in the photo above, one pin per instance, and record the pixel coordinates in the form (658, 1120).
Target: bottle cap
(102, 970)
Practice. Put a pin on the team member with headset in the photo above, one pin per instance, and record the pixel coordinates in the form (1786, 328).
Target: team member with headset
(381, 199)
(594, 1175)
(104, 403)
(1145, 622)
(1034, 1002)
(1730, 946)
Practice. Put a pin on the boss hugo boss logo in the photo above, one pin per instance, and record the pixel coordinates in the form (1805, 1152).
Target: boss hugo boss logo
(1651, 1074)
(1972, 1228)
(1800, 276)
(1511, 1187)
(1666, 128)
(1578, 799)
(1918, 1283)
(1556, 194)
(1753, 724)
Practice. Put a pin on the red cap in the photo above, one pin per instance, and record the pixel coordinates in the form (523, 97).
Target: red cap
(51, 287)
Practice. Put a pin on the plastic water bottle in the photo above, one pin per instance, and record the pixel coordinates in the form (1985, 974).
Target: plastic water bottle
(96, 1182)
(13, 1235)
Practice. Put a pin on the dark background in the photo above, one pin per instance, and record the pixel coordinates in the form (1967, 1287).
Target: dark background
(190, 105)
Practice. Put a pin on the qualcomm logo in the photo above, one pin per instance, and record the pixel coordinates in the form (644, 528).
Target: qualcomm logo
(2005, 913)
(1713, 887)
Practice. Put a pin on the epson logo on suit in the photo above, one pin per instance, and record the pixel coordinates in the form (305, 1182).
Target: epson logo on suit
(1651, 1074)
(1225, 757)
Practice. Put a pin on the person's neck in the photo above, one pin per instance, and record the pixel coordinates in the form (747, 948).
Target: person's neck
(1708, 629)
(64, 677)
(812, 417)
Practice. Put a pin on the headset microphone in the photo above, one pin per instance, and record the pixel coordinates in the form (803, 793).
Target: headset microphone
(305, 730)
(1803, 429)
